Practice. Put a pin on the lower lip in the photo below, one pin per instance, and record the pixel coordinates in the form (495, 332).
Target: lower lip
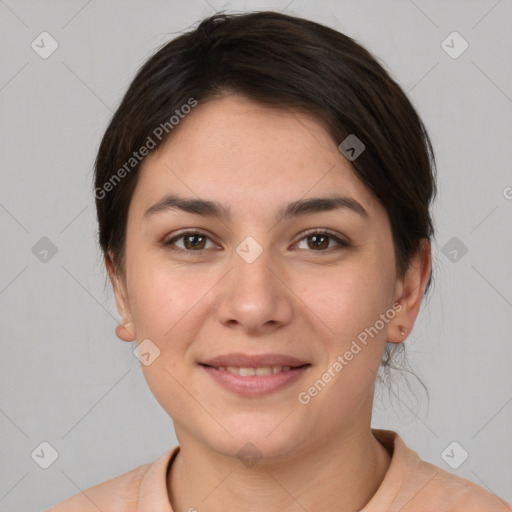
(255, 385)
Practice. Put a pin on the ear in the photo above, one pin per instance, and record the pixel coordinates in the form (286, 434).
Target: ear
(409, 293)
(125, 330)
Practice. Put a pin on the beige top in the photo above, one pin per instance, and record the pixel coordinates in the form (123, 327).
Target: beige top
(410, 485)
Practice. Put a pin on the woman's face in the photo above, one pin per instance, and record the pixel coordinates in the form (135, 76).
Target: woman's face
(252, 288)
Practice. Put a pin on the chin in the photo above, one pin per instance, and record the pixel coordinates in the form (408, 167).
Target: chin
(255, 437)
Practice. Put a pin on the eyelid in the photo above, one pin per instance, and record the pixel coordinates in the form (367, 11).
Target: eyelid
(169, 241)
(342, 240)
(325, 231)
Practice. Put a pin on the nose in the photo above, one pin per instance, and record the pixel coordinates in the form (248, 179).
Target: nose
(254, 297)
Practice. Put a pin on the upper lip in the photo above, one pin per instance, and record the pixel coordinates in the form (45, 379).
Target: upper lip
(253, 361)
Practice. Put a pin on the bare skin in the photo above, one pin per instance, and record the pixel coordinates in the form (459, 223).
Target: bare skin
(298, 298)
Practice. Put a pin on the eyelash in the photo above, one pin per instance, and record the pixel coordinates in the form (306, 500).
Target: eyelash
(343, 244)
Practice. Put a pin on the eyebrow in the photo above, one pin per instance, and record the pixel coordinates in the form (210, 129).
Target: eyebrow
(215, 209)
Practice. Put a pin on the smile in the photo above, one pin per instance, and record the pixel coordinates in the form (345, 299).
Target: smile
(254, 382)
(264, 370)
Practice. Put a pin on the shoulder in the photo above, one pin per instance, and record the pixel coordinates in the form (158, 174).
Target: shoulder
(115, 495)
(414, 485)
(453, 493)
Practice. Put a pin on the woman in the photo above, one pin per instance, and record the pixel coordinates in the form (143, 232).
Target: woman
(263, 197)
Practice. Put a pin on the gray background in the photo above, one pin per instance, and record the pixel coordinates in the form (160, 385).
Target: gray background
(67, 380)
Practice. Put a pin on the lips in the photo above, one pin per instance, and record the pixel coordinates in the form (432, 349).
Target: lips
(239, 360)
(254, 375)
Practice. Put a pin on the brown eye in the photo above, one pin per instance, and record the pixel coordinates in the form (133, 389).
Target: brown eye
(192, 241)
(320, 241)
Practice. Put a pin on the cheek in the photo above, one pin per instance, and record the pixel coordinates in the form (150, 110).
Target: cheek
(344, 300)
(163, 298)
(162, 302)
(350, 302)
(154, 306)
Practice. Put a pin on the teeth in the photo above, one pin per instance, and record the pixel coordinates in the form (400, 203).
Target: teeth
(245, 372)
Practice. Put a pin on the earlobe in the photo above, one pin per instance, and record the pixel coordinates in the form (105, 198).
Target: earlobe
(396, 333)
(125, 332)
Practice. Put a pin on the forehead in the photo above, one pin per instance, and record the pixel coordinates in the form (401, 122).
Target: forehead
(249, 156)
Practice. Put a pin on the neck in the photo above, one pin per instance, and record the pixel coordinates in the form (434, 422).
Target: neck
(342, 473)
